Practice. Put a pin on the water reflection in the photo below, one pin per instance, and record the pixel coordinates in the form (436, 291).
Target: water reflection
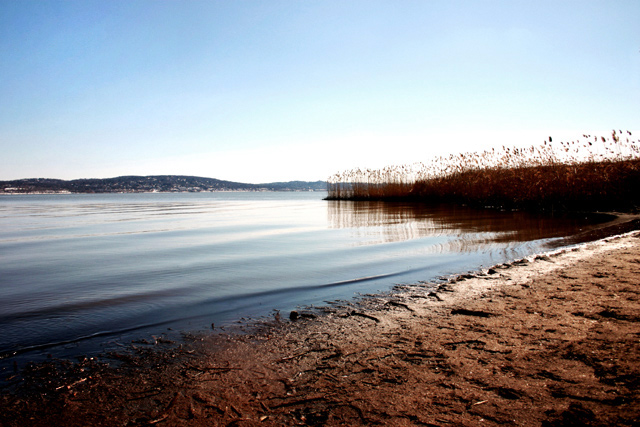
(81, 266)
(468, 229)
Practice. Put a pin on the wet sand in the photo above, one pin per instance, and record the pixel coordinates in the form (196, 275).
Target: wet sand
(552, 340)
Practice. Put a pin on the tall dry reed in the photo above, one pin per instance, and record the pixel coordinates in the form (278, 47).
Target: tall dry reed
(595, 172)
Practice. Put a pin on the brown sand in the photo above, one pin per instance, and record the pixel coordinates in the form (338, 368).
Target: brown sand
(549, 341)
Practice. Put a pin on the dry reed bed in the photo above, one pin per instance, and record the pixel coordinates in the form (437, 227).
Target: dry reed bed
(594, 173)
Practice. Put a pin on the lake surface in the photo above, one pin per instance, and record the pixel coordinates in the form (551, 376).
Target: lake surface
(77, 271)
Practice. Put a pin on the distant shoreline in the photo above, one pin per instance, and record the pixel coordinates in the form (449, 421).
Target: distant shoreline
(42, 193)
(148, 184)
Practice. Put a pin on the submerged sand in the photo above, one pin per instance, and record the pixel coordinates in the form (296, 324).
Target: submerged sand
(551, 340)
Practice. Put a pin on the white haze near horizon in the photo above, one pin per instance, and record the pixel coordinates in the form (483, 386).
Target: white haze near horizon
(277, 91)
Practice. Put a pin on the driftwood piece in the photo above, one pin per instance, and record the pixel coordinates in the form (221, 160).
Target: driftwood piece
(366, 316)
(400, 304)
(476, 313)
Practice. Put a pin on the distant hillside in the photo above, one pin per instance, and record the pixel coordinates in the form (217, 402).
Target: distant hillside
(141, 184)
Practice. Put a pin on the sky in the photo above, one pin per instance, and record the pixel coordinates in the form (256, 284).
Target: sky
(263, 91)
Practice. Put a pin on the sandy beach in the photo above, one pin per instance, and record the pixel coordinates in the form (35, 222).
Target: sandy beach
(553, 340)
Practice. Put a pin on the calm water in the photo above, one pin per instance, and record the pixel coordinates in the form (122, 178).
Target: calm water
(74, 267)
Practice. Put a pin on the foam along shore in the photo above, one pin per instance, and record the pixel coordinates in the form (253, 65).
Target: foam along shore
(549, 340)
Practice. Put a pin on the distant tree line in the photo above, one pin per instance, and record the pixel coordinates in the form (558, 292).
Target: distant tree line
(159, 183)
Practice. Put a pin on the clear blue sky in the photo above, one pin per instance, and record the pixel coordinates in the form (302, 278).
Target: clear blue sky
(259, 91)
